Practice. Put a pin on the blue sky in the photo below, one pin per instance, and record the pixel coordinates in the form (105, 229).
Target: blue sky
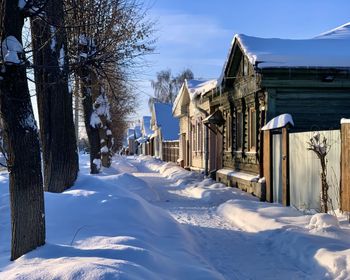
(197, 34)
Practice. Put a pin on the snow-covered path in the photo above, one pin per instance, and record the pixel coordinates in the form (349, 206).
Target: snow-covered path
(234, 253)
(144, 219)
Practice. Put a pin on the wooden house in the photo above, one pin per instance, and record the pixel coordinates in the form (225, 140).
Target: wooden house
(146, 133)
(165, 128)
(131, 145)
(191, 110)
(263, 78)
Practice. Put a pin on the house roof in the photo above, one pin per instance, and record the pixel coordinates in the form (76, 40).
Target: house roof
(341, 32)
(199, 87)
(194, 88)
(274, 52)
(329, 49)
(165, 120)
(137, 130)
(130, 134)
(146, 126)
(279, 122)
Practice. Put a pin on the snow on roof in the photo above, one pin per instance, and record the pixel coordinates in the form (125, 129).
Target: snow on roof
(195, 88)
(164, 119)
(178, 97)
(130, 133)
(340, 32)
(146, 126)
(137, 130)
(279, 122)
(313, 52)
(273, 52)
(199, 87)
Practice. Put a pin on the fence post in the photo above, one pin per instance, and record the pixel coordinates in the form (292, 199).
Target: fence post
(285, 167)
(345, 166)
(267, 164)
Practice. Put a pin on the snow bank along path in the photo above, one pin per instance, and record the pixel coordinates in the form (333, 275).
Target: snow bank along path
(244, 238)
(145, 219)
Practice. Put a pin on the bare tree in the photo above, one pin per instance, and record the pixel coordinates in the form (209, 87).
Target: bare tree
(107, 38)
(321, 148)
(59, 149)
(26, 190)
(166, 86)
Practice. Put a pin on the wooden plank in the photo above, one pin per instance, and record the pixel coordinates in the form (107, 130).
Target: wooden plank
(285, 167)
(345, 167)
(304, 83)
(267, 165)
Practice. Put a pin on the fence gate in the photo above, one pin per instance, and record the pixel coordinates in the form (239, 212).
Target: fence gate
(277, 167)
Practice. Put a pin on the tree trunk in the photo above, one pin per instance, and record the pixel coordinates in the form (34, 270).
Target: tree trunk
(325, 187)
(54, 100)
(92, 132)
(26, 191)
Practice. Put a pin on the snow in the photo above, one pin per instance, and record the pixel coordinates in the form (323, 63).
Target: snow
(95, 120)
(131, 134)
(275, 52)
(104, 150)
(238, 174)
(147, 219)
(146, 126)
(279, 122)
(10, 49)
(29, 122)
(61, 58)
(195, 89)
(53, 38)
(344, 121)
(199, 87)
(341, 32)
(101, 105)
(97, 162)
(142, 139)
(321, 221)
(165, 120)
(137, 130)
(83, 40)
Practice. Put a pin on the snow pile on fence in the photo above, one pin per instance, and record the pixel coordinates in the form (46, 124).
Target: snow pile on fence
(100, 230)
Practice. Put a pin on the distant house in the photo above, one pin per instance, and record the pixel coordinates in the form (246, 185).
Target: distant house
(263, 78)
(195, 138)
(146, 133)
(138, 136)
(165, 128)
(131, 141)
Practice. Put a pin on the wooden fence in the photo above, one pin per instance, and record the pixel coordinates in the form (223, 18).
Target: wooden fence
(305, 168)
(170, 151)
(292, 172)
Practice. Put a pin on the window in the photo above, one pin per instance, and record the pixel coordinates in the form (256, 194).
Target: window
(239, 131)
(228, 133)
(198, 147)
(252, 130)
(245, 67)
(193, 128)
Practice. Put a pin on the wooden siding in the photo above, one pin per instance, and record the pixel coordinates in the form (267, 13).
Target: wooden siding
(311, 109)
(345, 167)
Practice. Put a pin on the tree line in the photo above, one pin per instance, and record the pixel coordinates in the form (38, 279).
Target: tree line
(81, 48)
